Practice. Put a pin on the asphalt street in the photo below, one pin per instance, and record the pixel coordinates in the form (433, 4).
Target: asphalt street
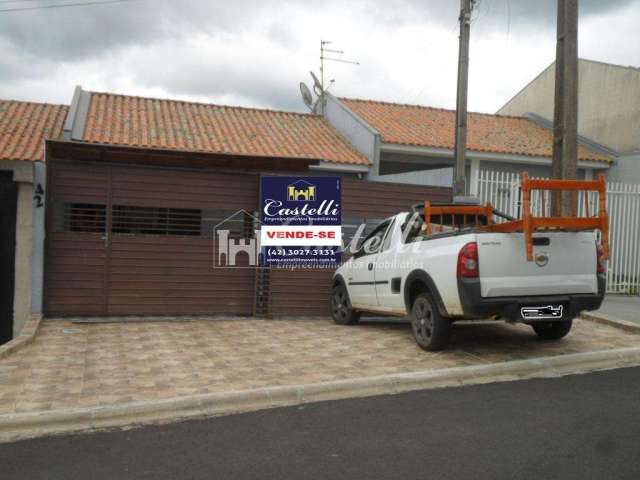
(575, 427)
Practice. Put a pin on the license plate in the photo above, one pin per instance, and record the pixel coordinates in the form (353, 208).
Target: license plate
(542, 312)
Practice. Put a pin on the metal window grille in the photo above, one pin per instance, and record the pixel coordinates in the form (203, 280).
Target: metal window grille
(130, 220)
(82, 218)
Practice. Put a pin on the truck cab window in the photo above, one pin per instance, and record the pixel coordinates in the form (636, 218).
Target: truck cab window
(373, 241)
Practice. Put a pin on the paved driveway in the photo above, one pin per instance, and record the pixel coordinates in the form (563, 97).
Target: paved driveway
(84, 365)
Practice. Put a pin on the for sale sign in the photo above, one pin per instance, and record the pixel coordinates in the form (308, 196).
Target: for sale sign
(301, 221)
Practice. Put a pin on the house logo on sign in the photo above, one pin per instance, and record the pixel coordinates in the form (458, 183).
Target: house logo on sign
(236, 241)
(301, 191)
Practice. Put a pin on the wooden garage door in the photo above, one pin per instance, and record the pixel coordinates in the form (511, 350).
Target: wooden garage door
(306, 292)
(139, 240)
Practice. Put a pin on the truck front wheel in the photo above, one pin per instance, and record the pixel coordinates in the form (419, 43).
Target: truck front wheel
(430, 329)
(552, 330)
(341, 309)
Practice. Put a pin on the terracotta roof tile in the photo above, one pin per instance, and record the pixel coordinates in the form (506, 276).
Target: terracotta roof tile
(25, 125)
(177, 125)
(435, 127)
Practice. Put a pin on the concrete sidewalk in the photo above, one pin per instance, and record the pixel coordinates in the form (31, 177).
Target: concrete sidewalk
(622, 307)
(77, 377)
(95, 365)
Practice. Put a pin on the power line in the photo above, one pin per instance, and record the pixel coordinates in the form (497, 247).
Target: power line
(59, 5)
(18, 1)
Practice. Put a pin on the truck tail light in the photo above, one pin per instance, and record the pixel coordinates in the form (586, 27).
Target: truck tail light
(468, 266)
(600, 262)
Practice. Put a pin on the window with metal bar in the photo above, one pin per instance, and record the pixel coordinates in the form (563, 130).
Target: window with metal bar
(79, 217)
(128, 220)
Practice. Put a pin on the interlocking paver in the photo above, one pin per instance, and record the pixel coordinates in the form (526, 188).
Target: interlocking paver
(83, 365)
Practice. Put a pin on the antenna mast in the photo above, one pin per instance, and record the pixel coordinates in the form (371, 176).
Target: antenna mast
(323, 50)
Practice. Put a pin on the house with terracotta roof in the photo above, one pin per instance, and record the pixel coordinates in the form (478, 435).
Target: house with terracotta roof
(110, 204)
(409, 142)
(117, 199)
(24, 127)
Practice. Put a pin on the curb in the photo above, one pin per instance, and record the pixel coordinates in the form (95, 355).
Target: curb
(605, 319)
(33, 424)
(28, 333)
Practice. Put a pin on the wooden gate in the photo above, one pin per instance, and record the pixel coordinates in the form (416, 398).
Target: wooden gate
(127, 240)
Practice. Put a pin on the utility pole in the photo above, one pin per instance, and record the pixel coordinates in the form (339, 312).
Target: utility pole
(460, 149)
(565, 115)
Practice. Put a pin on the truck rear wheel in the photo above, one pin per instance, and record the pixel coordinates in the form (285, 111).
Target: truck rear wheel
(341, 309)
(430, 329)
(552, 330)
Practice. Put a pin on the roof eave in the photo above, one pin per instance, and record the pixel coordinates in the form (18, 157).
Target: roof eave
(582, 140)
(312, 162)
(340, 167)
(480, 155)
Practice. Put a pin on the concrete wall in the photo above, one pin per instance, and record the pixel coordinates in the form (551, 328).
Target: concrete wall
(23, 176)
(358, 134)
(391, 162)
(537, 97)
(442, 177)
(609, 103)
(414, 168)
(626, 169)
(37, 255)
(24, 236)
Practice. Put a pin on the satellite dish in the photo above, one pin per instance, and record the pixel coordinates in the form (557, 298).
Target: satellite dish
(307, 97)
(317, 86)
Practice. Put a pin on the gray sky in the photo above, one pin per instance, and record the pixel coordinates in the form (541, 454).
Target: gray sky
(254, 53)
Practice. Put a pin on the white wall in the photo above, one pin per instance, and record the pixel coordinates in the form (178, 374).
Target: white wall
(626, 169)
(442, 177)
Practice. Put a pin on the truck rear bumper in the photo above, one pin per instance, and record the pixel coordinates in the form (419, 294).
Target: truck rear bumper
(474, 305)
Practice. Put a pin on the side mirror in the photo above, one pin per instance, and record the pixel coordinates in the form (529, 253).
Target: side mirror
(359, 253)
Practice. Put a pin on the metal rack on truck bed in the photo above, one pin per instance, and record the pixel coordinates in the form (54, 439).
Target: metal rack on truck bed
(482, 216)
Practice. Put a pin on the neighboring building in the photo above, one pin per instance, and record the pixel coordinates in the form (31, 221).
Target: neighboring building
(608, 110)
(414, 143)
(137, 187)
(24, 126)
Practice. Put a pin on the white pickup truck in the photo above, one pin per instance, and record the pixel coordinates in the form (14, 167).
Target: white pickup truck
(464, 273)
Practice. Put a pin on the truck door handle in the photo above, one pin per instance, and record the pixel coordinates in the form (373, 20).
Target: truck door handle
(370, 266)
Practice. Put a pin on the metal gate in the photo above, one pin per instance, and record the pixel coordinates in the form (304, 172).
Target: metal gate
(127, 240)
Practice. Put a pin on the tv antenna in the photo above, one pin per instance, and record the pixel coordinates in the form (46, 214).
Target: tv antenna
(323, 50)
